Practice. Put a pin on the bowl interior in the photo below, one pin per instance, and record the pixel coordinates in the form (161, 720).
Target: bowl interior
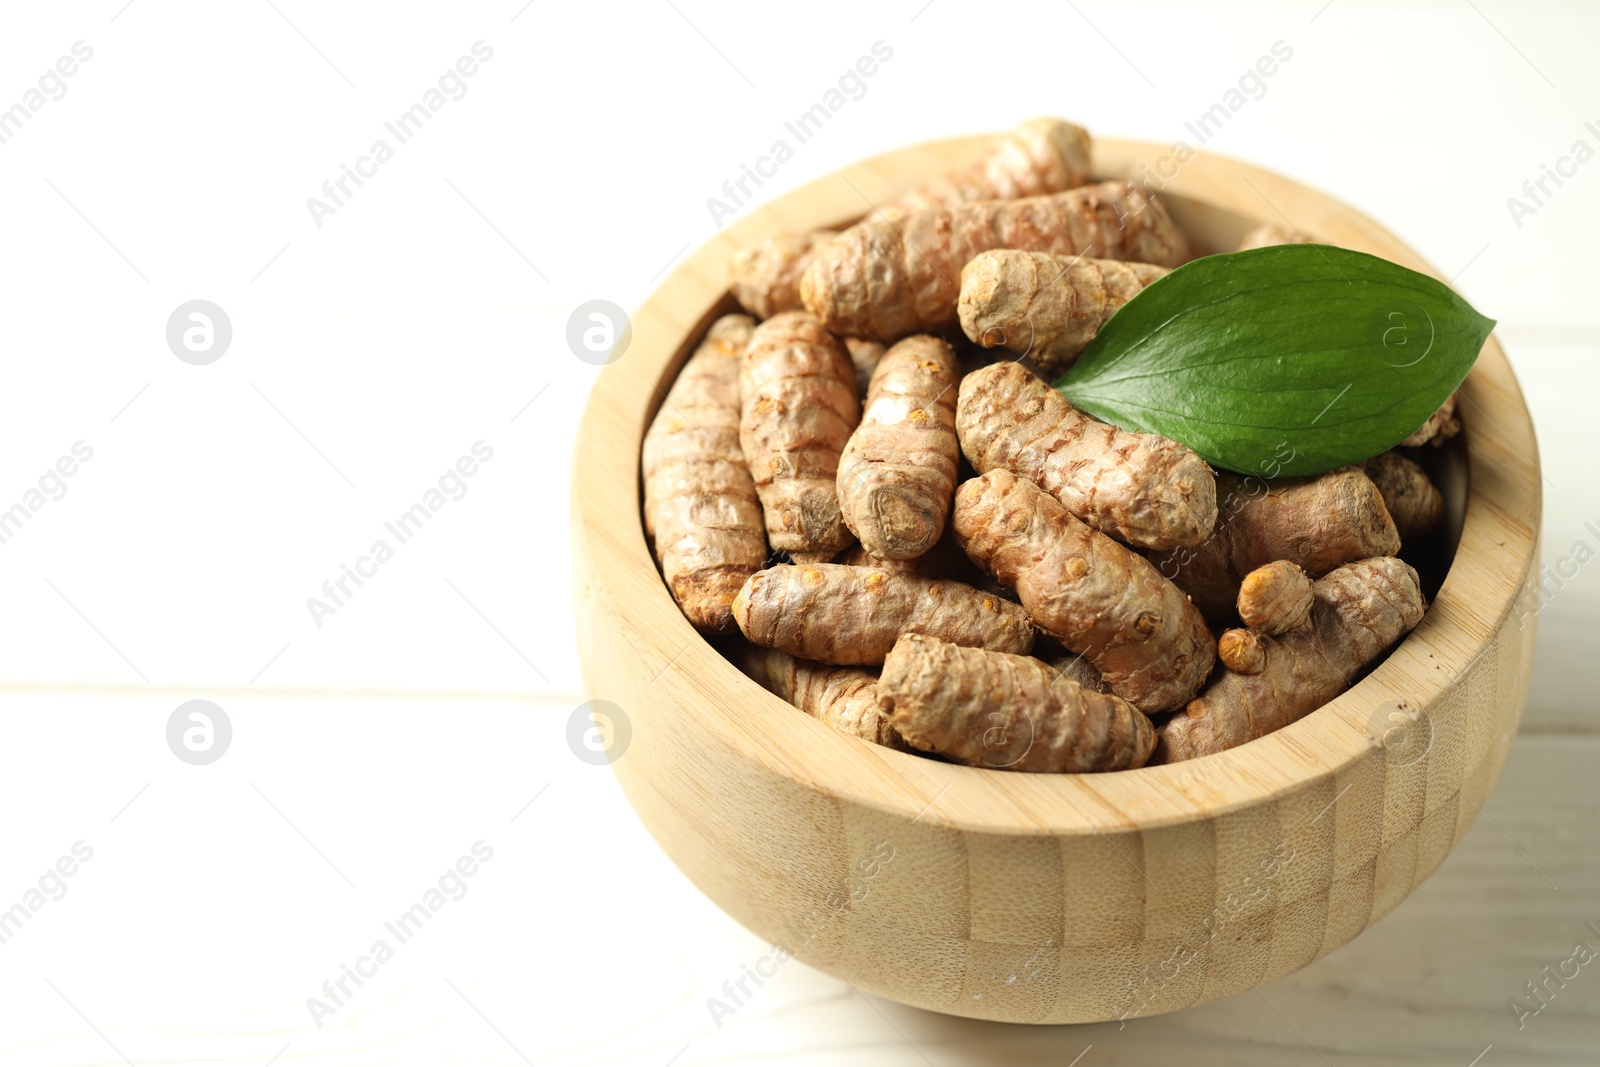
(1316, 747)
(1211, 229)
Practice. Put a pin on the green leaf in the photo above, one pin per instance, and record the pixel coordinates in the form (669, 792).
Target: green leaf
(1289, 360)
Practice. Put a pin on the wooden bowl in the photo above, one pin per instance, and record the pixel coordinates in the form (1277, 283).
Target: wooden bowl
(1055, 898)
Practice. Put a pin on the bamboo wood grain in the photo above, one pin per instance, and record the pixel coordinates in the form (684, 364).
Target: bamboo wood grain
(1038, 898)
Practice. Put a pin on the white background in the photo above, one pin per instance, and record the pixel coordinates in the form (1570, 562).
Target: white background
(429, 313)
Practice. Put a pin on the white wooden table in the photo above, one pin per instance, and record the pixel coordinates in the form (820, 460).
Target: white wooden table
(428, 313)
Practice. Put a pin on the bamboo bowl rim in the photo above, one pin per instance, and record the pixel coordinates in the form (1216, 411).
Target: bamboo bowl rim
(712, 701)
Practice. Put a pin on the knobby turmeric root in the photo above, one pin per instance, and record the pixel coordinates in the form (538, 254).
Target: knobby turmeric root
(1008, 712)
(700, 505)
(1438, 427)
(1316, 523)
(1076, 668)
(1413, 502)
(1045, 306)
(858, 556)
(1271, 233)
(943, 560)
(1140, 488)
(1087, 591)
(845, 698)
(1041, 156)
(883, 279)
(1275, 598)
(1358, 611)
(798, 393)
(1242, 650)
(762, 445)
(766, 277)
(865, 355)
(898, 470)
(1038, 157)
(853, 615)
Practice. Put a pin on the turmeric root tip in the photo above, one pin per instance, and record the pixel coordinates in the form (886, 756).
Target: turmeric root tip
(865, 355)
(1242, 651)
(845, 698)
(1411, 497)
(1275, 598)
(1269, 234)
(1437, 428)
(766, 277)
(1040, 156)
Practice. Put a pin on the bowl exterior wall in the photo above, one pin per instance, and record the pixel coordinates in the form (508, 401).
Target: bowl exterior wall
(975, 893)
